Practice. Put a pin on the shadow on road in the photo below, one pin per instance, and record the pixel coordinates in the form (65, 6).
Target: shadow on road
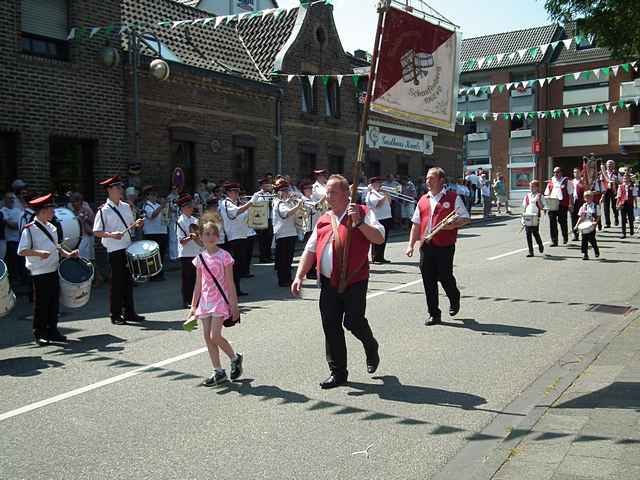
(26, 366)
(622, 395)
(495, 328)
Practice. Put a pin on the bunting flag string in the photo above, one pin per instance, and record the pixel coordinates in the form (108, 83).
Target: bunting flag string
(355, 77)
(76, 33)
(524, 84)
(620, 105)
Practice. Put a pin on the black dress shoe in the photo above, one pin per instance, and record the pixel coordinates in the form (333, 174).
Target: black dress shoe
(433, 321)
(134, 318)
(541, 248)
(384, 260)
(530, 255)
(454, 308)
(56, 337)
(373, 360)
(41, 341)
(554, 244)
(118, 321)
(333, 381)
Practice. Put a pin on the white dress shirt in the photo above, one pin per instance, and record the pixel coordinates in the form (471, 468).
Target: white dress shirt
(153, 226)
(461, 210)
(383, 211)
(235, 225)
(183, 229)
(319, 191)
(12, 214)
(108, 221)
(556, 190)
(33, 238)
(283, 226)
(326, 259)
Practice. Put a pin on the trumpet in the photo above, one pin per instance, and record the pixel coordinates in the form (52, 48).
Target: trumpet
(449, 219)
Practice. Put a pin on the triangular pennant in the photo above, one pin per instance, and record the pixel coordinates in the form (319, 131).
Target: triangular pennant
(607, 106)
(290, 77)
(525, 84)
(621, 103)
(476, 91)
(550, 79)
(576, 75)
(72, 34)
(588, 112)
(636, 100)
(509, 85)
(579, 111)
(522, 53)
(93, 31)
(495, 116)
(219, 20)
(626, 67)
(541, 81)
(513, 115)
(634, 63)
(614, 108)
(596, 72)
(208, 20)
(312, 78)
(506, 116)
(533, 52)
(492, 88)
(586, 74)
(600, 108)
(566, 112)
(339, 77)
(605, 71)
(500, 57)
(615, 69)
(472, 116)
(544, 48)
(325, 79)
(558, 77)
(567, 43)
(579, 40)
(501, 88)
(555, 44)
(481, 61)
(594, 108)
(355, 79)
(484, 115)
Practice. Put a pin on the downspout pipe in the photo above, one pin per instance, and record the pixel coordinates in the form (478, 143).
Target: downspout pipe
(278, 132)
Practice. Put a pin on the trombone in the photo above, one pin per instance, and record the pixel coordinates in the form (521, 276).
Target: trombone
(393, 193)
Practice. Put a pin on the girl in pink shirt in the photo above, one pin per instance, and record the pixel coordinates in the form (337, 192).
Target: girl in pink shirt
(209, 305)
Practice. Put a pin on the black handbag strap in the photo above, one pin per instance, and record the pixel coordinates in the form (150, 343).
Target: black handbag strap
(121, 219)
(214, 279)
(46, 232)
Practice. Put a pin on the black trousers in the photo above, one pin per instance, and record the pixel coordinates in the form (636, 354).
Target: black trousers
(348, 309)
(14, 263)
(188, 279)
(46, 303)
(285, 249)
(436, 265)
(533, 232)
(610, 203)
(627, 214)
(265, 237)
(590, 238)
(121, 288)
(237, 250)
(574, 216)
(245, 268)
(378, 250)
(162, 240)
(555, 217)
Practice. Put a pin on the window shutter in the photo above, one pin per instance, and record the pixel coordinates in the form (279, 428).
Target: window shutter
(47, 18)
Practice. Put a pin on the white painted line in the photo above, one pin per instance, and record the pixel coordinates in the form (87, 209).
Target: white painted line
(139, 370)
(512, 253)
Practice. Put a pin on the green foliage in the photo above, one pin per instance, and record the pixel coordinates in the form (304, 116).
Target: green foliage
(614, 22)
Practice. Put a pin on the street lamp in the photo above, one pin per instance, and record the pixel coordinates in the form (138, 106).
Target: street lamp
(158, 68)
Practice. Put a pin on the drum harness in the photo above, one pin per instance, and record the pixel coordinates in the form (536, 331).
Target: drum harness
(120, 217)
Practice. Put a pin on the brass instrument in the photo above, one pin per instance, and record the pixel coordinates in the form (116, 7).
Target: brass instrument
(392, 192)
(449, 219)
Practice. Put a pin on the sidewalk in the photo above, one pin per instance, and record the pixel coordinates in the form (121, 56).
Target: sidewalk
(592, 431)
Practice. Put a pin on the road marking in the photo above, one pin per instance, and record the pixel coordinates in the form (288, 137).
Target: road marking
(139, 370)
(512, 253)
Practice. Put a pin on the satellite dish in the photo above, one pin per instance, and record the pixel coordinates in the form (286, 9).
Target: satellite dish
(159, 69)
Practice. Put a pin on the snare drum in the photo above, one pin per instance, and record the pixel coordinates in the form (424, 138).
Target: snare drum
(585, 227)
(530, 220)
(69, 228)
(144, 259)
(552, 203)
(76, 277)
(258, 216)
(7, 297)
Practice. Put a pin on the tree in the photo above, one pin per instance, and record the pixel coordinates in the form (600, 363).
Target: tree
(615, 23)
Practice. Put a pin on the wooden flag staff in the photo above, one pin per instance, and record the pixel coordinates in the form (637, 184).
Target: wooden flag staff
(383, 5)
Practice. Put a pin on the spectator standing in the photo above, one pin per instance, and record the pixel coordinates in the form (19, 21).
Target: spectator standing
(500, 191)
(485, 190)
(11, 214)
(155, 226)
(86, 217)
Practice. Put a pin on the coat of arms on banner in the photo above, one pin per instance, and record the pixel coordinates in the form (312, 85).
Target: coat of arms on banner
(417, 71)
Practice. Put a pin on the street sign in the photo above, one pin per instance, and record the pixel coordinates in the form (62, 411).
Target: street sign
(536, 147)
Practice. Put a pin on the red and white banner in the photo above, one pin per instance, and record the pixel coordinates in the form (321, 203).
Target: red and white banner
(417, 72)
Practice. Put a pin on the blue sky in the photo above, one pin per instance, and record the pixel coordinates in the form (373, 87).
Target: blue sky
(356, 19)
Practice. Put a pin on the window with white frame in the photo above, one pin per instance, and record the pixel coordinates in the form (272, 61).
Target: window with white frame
(44, 27)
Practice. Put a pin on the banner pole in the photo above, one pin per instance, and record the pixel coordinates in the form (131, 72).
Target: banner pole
(364, 121)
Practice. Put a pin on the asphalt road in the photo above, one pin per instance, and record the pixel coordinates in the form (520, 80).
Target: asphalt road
(125, 402)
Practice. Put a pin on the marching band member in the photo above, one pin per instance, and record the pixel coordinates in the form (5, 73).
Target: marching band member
(378, 201)
(235, 228)
(284, 231)
(39, 245)
(113, 224)
(577, 199)
(590, 210)
(626, 202)
(86, 217)
(155, 228)
(265, 237)
(436, 256)
(320, 185)
(532, 205)
(189, 246)
(611, 182)
(597, 192)
(307, 194)
(337, 308)
(559, 187)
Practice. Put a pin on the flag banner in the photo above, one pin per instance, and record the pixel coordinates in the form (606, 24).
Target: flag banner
(417, 72)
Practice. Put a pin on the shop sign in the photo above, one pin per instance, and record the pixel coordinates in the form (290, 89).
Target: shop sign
(377, 139)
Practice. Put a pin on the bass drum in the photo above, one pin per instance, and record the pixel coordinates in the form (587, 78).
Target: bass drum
(69, 228)
(7, 297)
(76, 276)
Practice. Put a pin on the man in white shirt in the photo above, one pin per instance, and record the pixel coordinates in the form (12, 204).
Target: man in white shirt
(437, 249)
(264, 196)
(475, 186)
(112, 225)
(612, 180)
(379, 202)
(320, 186)
(561, 188)
(39, 245)
(189, 246)
(155, 224)
(235, 227)
(343, 298)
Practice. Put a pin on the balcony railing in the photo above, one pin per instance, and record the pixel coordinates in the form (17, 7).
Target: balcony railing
(630, 90)
(629, 135)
